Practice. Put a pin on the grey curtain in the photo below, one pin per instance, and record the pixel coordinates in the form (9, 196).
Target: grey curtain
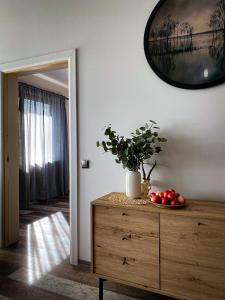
(44, 159)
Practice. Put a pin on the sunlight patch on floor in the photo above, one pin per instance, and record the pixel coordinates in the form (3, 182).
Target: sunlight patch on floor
(48, 244)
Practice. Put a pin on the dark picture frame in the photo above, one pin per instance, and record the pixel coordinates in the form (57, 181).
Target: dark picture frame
(218, 76)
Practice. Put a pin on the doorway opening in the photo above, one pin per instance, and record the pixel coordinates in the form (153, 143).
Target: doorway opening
(40, 158)
(44, 167)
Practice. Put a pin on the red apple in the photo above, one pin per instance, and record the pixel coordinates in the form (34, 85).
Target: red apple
(160, 194)
(156, 199)
(175, 202)
(152, 194)
(172, 190)
(165, 194)
(165, 201)
(170, 195)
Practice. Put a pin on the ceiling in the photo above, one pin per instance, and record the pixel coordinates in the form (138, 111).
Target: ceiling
(55, 81)
(58, 75)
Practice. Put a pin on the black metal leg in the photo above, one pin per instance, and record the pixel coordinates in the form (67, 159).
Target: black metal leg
(101, 281)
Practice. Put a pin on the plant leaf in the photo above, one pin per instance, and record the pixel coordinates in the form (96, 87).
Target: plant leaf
(138, 132)
(107, 131)
(104, 146)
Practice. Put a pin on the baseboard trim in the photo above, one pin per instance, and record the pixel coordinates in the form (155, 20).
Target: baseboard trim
(84, 262)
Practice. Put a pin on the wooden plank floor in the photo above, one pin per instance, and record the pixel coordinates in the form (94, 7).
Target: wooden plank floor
(38, 266)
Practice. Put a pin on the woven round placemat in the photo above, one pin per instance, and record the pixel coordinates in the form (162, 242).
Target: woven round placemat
(121, 198)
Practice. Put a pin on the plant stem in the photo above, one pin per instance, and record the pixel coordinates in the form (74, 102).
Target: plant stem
(143, 171)
(150, 172)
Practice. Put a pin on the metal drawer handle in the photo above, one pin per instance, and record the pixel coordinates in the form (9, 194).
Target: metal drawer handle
(126, 237)
(199, 224)
(124, 261)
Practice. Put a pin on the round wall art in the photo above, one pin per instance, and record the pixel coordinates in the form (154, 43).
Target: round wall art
(185, 42)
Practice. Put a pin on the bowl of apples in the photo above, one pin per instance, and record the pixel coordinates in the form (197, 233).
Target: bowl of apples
(167, 199)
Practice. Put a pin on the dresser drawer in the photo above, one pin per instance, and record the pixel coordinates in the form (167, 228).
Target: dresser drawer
(199, 242)
(130, 257)
(191, 281)
(128, 220)
(127, 244)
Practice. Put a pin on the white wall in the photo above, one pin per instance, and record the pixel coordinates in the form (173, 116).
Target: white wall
(116, 85)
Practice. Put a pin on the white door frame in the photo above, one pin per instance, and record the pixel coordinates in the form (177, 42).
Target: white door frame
(16, 66)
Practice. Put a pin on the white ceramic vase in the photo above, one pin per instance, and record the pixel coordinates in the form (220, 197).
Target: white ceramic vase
(133, 184)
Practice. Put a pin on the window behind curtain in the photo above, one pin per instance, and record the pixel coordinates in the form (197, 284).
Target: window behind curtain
(41, 123)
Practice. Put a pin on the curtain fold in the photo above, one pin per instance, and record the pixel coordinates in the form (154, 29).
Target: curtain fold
(44, 158)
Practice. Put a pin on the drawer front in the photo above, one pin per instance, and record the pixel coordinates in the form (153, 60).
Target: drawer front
(192, 257)
(127, 256)
(126, 245)
(193, 241)
(130, 220)
(192, 281)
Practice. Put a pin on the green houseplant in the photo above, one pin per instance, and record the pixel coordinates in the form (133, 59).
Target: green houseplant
(133, 151)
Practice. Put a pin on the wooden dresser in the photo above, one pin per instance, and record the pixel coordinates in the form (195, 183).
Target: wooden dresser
(179, 253)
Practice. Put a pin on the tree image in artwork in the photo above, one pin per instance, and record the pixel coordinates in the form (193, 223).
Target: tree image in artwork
(186, 40)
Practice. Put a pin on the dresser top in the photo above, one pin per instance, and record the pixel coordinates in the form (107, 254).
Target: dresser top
(195, 208)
